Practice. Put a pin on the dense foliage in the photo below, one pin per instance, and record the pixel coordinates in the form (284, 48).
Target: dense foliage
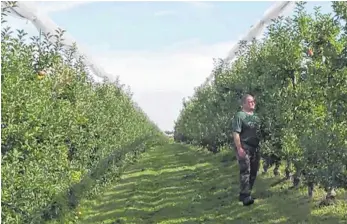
(298, 74)
(62, 136)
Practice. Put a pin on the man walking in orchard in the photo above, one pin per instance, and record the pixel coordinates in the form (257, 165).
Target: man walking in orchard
(246, 134)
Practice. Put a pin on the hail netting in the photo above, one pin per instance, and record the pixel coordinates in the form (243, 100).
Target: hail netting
(257, 30)
(42, 22)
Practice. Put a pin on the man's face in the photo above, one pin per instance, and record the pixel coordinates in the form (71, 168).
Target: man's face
(249, 103)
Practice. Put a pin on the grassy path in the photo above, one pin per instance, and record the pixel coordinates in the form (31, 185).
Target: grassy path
(178, 184)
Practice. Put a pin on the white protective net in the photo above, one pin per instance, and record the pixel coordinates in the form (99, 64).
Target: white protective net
(28, 11)
(257, 30)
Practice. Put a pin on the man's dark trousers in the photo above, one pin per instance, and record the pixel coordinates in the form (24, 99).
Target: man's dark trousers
(249, 166)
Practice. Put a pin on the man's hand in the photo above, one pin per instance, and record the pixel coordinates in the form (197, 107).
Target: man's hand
(241, 152)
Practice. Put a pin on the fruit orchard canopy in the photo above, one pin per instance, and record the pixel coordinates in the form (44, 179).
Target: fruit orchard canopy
(28, 11)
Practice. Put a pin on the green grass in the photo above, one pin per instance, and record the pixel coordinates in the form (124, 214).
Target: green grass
(181, 184)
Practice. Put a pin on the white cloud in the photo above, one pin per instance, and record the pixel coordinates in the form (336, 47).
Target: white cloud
(161, 79)
(174, 68)
(162, 107)
(165, 13)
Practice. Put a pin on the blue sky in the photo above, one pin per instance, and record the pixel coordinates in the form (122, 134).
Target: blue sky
(162, 50)
(154, 25)
(143, 25)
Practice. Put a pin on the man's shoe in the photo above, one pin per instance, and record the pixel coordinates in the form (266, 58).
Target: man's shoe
(248, 201)
(242, 197)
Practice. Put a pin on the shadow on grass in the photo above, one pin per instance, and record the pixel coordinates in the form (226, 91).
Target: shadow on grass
(281, 204)
(112, 164)
(280, 181)
(170, 183)
(177, 184)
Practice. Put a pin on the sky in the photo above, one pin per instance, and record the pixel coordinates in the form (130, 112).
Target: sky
(162, 50)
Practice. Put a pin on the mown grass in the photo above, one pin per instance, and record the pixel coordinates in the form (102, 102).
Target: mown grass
(180, 184)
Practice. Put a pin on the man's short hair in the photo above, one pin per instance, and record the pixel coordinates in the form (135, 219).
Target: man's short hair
(244, 97)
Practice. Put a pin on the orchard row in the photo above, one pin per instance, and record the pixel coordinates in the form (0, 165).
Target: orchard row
(298, 75)
(62, 135)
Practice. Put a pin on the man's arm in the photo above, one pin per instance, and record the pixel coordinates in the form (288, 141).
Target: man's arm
(240, 151)
(236, 130)
(237, 140)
